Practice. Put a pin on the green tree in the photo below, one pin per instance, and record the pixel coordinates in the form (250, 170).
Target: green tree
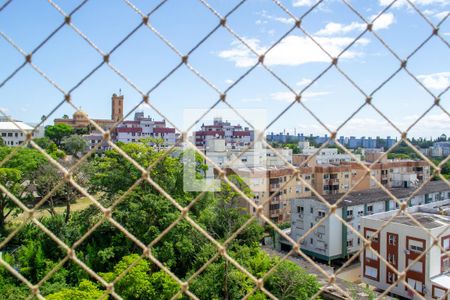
(86, 290)
(75, 145)
(58, 132)
(50, 147)
(10, 179)
(140, 282)
(291, 282)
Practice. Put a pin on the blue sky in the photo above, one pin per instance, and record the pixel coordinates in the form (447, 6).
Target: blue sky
(145, 59)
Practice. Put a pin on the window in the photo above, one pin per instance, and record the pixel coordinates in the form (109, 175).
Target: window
(311, 225)
(9, 133)
(307, 177)
(3, 133)
(371, 272)
(349, 213)
(311, 241)
(350, 243)
(370, 254)
(359, 241)
(416, 267)
(391, 259)
(325, 176)
(446, 243)
(392, 239)
(391, 277)
(445, 264)
(438, 293)
(370, 208)
(417, 285)
(321, 214)
(312, 210)
(416, 247)
(300, 209)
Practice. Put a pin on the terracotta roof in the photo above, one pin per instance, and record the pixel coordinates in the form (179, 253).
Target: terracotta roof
(163, 130)
(129, 129)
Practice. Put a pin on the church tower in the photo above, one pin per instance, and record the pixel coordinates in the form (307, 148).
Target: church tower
(117, 107)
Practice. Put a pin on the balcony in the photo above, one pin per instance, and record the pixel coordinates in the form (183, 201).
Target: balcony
(333, 181)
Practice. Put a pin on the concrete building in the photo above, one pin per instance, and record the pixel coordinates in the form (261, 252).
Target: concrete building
(333, 240)
(328, 155)
(79, 121)
(401, 242)
(131, 131)
(266, 182)
(235, 136)
(12, 133)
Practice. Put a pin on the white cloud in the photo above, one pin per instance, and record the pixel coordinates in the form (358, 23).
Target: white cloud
(401, 3)
(332, 28)
(338, 28)
(303, 81)
(435, 81)
(428, 12)
(290, 97)
(300, 3)
(240, 54)
(294, 50)
(441, 15)
(383, 22)
(229, 81)
(266, 17)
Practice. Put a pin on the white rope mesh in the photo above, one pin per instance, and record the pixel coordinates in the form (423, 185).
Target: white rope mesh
(297, 102)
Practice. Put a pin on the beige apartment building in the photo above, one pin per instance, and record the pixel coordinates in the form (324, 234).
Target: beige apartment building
(277, 184)
(326, 179)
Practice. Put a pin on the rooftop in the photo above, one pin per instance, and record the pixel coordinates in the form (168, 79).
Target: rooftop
(431, 215)
(5, 125)
(376, 195)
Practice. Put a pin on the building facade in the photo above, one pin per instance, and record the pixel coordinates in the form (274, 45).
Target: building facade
(14, 133)
(235, 136)
(401, 242)
(131, 131)
(79, 120)
(332, 239)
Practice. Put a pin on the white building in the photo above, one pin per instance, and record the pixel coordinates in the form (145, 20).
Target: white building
(328, 155)
(95, 138)
(14, 133)
(223, 155)
(145, 127)
(401, 242)
(332, 239)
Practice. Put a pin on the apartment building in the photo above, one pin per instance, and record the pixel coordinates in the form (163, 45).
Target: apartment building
(14, 133)
(333, 240)
(328, 155)
(401, 242)
(275, 182)
(131, 131)
(235, 136)
(400, 173)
